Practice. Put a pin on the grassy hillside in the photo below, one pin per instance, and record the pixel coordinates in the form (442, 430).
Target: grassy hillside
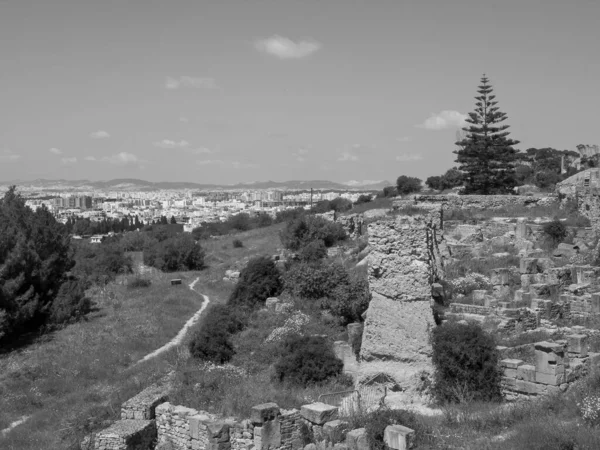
(73, 381)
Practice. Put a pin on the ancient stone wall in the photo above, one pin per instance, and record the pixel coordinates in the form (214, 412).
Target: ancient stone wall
(481, 201)
(588, 203)
(405, 260)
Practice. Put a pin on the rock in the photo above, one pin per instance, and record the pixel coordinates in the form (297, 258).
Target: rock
(318, 413)
(263, 413)
(566, 250)
(271, 303)
(357, 439)
(398, 437)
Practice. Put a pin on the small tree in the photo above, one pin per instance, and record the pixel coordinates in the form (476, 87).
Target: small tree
(465, 360)
(486, 155)
(407, 185)
(258, 281)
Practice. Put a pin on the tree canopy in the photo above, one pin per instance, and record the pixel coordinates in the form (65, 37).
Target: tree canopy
(486, 155)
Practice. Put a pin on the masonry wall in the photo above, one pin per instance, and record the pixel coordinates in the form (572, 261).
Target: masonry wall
(484, 201)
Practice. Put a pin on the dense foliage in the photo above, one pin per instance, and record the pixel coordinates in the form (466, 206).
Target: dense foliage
(35, 258)
(466, 366)
(408, 185)
(377, 421)
(306, 360)
(555, 231)
(307, 229)
(212, 341)
(180, 252)
(486, 155)
(451, 179)
(259, 280)
(345, 294)
(101, 263)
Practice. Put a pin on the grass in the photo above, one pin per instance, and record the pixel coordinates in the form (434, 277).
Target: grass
(72, 382)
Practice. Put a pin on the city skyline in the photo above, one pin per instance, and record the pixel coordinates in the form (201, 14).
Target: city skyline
(239, 91)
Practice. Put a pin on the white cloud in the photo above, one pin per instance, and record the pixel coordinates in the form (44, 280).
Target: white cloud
(361, 183)
(300, 154)
(209, 161)
(347, 156)
(190, 82)
(200, 150)
(71, 160)
(285, 48)
(404, 139)
(184, 119)
(100, 134)
(90, 158)
(242, 165)
(444, 120)
(407, 157)
(120, 159)
(167, 143)
(8, 155)
(56, 151)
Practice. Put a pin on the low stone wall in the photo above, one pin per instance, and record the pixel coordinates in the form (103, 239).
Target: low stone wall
(557, 364)
(485, 201)
(127, 435)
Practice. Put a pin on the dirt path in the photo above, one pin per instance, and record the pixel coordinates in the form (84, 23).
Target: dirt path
(179, 338)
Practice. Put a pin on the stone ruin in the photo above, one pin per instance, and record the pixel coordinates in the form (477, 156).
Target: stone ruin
(404, 262)
(149, 421)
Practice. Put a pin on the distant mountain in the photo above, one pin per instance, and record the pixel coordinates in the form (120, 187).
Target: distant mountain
(133, 184)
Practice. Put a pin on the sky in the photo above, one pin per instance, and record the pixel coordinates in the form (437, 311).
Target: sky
(229, 91)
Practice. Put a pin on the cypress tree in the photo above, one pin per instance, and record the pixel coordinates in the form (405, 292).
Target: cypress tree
(486, 155)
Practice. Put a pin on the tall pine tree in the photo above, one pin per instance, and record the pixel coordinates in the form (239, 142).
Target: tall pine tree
(486, 155)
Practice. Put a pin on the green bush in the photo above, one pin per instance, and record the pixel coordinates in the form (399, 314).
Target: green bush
(307, 360)
(408, 185)
(176, 253)
(237, 243)
(555, 231)
(139, 282)
(465, 360)
(363, 198)
(258, 281)
(349, 301)
(376, 422)
(71, 303)
(307, 229)
(314, 280)
(212, 344)
(313, 251)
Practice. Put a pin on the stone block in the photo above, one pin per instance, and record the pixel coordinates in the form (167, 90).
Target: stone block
(501, 290)
(526, 372)
(318, 413)
(551, 379)
(264, 413)
(526, 387)
(511, 363)
(500, 276)
(595, 303)
(578, 343)
(528, 266)
(509, 382)
(218, 431)
(271, 303)
(268, 436)
(398, 437)
(593, 359)
(218, 446)
(357, 439)
(335, 430)
(479, 295)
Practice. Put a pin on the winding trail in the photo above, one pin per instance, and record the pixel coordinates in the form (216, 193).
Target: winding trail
(179, 338)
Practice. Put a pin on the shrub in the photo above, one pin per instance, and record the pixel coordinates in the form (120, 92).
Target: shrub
(408, 185)
(349, 301)
(555, 231)
(237, 243)
(180, 252)
(258, 281)
(313, 251)
(314, 280)
(376, 422)
(306, 229)
(307, 360)
(71, 303)
(139, 282)
(465, 360)
(341, 204)
(212, 344)
(363, 198)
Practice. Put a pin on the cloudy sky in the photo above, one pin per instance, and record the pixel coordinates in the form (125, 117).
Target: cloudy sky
(242, 90)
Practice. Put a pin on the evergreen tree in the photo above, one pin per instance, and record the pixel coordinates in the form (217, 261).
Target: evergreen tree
(486, 155)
